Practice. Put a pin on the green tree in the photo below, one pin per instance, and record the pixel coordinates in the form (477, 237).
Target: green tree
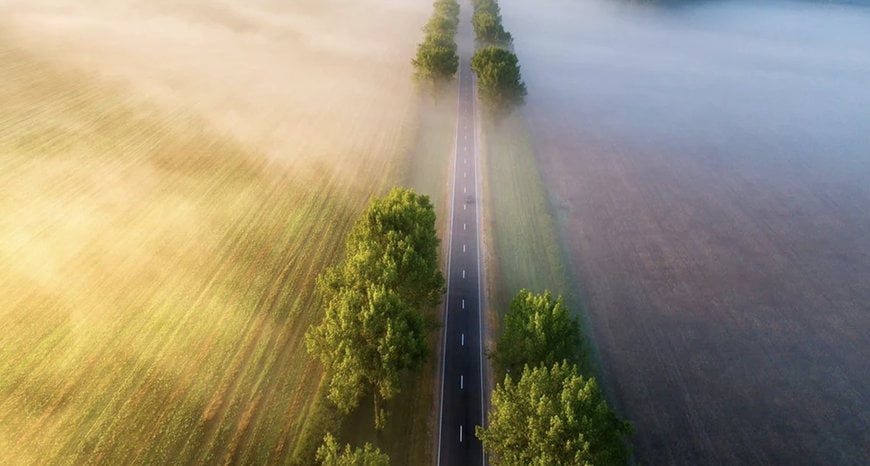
(367, 338)
(329, 454)
(436, 59)
(498, 76)
(441, 24)
(448, 8)
(489, 30)
(395, 244)
(553, 416)
(537, 330)
(374, 328)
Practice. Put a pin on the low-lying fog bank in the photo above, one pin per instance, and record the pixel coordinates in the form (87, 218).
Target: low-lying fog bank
(300, 80)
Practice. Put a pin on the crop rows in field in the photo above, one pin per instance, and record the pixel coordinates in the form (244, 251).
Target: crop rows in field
(156, 277)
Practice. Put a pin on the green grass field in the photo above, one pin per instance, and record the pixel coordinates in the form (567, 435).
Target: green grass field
(523, 248)
(156, 274)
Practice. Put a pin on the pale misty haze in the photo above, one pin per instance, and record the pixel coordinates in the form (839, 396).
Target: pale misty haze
(710, 166)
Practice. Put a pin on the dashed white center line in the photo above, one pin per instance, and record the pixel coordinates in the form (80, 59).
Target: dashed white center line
(460, 433)
(464, 226)
(462, 382)
(464, 206)
(463, 274)
(463, 340)
(463, 304)
(463, 248)
(465, 174)
(464, 190)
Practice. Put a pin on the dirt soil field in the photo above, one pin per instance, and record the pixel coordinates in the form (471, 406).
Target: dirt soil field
(715, 200)
(730, 307)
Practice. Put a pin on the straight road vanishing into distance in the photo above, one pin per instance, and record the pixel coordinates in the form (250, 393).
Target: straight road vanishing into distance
(462, 370)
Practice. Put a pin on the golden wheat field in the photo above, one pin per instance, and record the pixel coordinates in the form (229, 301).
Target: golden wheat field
(173, 176)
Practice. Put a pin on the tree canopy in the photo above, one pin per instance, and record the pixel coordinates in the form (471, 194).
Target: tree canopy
(395, 244)
(553, 416)
(487, 24)
(437, 59)
(374, 327)
(329, 454)
(498, 77)
(537, 330)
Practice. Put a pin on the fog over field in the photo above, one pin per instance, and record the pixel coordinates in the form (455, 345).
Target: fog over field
(290, 77)
(173, 177)
(710, 167)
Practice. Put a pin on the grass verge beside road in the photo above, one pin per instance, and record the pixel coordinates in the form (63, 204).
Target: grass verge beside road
(408, 435)
(523, 248)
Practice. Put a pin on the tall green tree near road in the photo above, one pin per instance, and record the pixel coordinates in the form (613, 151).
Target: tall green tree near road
(437, 59)
(367, 338)
(374, 327)
(487, 24)
(489, 30)
(329, 454)
(395, 244)
(442, 23)
(537, 330)
(498, 77)
(553, 416)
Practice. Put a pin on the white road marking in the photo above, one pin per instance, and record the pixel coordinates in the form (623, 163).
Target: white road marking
(467, 116)
(463, 248)
(446, 314)
(464, 190)
(480, 321)
(463, 274)
(464, 206)
(462, 382)
(464, 226)
(463, 340)
(465, 174)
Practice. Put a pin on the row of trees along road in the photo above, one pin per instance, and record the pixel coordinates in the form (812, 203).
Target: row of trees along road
(375, 327)
(487, 24)
(437, 59)
(496, 66)
(545, 411)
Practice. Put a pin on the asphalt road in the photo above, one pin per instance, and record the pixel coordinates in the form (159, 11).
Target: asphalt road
(462, 392)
